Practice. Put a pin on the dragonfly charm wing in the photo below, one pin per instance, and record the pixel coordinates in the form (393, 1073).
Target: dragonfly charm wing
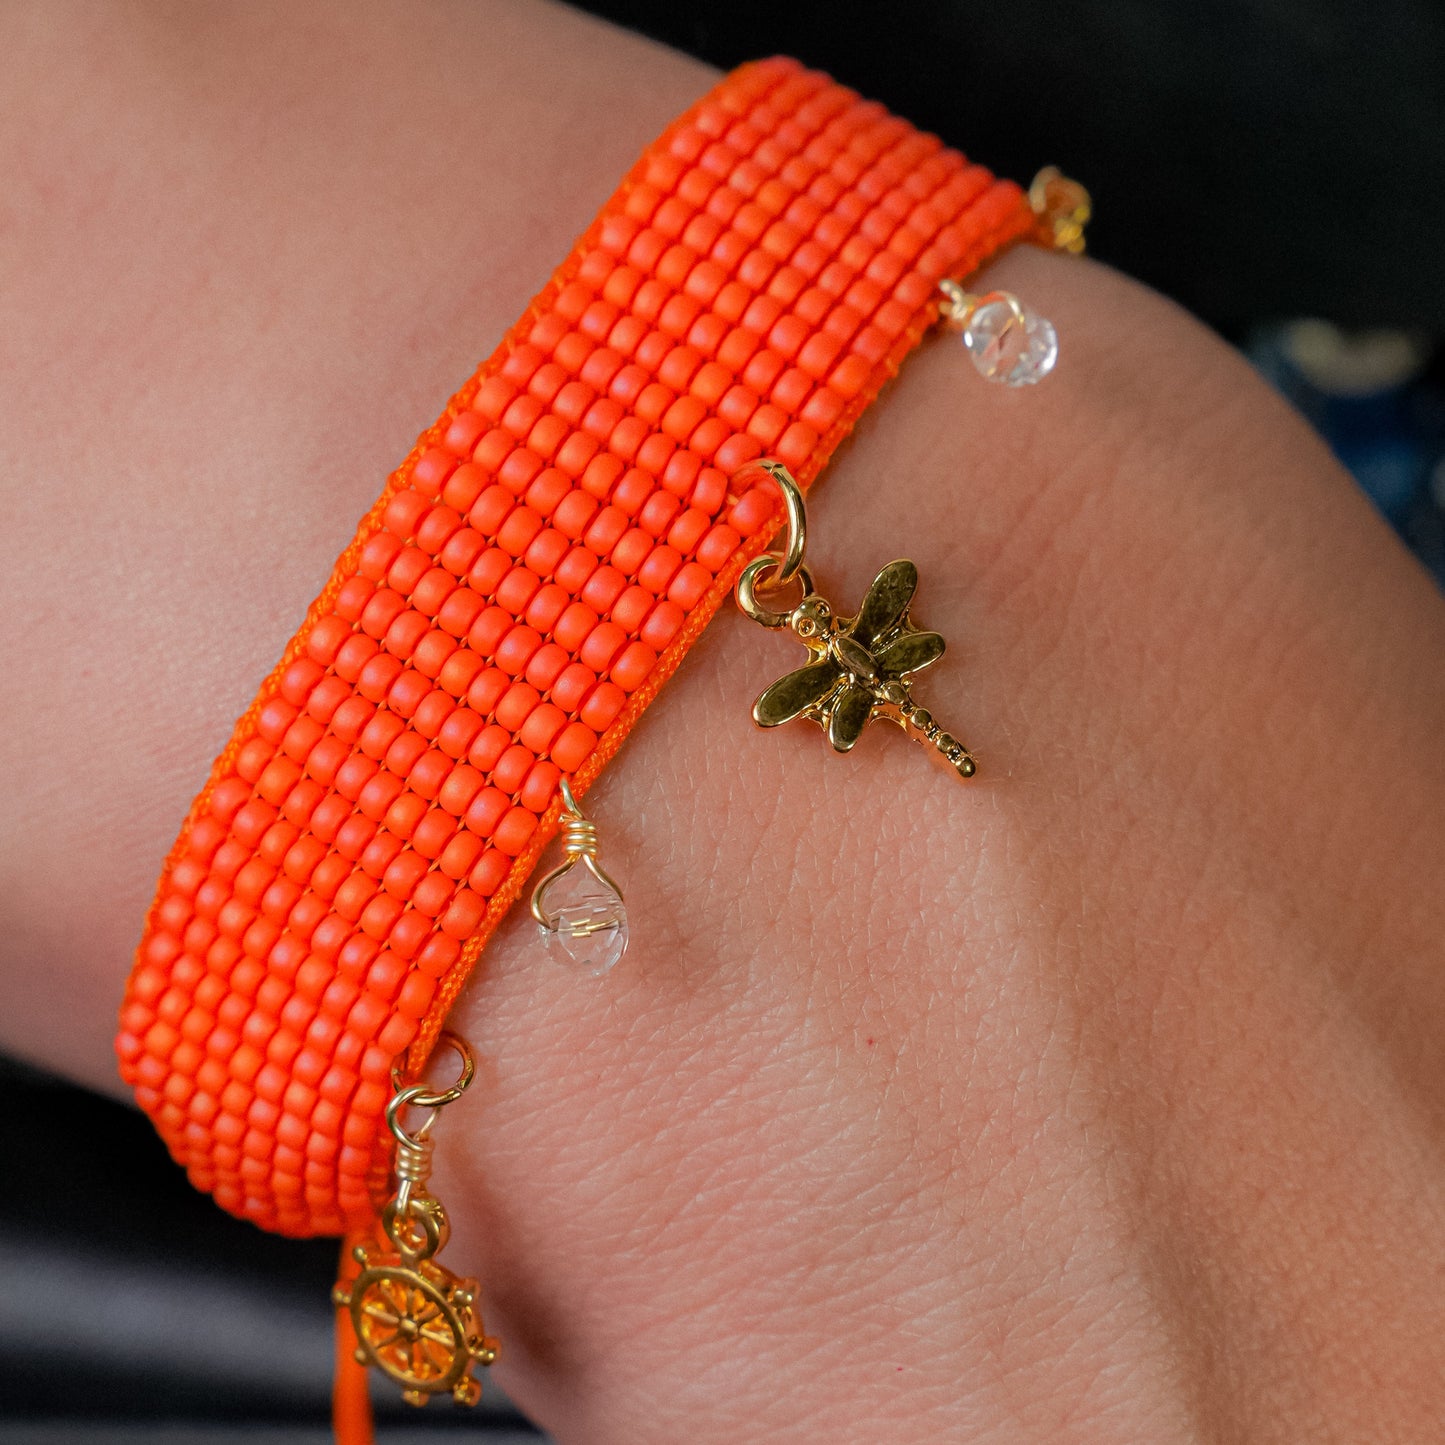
(848, 716)
(885, 608)
(794, 695)
(910, 653)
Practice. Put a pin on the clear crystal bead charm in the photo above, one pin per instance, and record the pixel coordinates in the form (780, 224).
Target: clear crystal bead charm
(588, 922)
(1008, 342)
(578, 908)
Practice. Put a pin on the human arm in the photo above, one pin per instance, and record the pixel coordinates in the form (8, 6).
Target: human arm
(1109, 987)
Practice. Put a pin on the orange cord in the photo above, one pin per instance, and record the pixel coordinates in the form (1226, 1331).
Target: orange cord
(351, 1419)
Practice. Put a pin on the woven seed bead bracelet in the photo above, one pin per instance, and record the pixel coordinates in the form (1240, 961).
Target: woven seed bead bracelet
(528, 579)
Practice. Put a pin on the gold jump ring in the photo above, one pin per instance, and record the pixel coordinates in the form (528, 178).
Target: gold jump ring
(435, 1100)
(797, 517)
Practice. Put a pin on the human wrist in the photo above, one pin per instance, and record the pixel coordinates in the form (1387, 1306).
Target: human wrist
(986, 964)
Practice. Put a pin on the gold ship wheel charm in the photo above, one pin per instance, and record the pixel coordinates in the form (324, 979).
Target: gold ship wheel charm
(415, 1320)
(862, 666)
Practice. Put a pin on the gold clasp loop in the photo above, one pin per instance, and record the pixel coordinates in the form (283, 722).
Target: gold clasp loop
(414, 1146)
(753, 578)
(774, 570)
(427, 1098)
(791, 561)
(416, 1225)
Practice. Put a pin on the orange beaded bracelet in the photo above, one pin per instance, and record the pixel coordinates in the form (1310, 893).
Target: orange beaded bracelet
(528, 579)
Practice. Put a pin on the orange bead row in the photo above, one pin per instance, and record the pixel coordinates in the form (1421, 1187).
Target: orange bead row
(529, 577)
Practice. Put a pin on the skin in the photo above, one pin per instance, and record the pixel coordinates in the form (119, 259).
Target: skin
(1097, 1099)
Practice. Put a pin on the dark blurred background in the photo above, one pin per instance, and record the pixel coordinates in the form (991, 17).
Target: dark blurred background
(1263, 162)
(1272, 164)
(1250, 158)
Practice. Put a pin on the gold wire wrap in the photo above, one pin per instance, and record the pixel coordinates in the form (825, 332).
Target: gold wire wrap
(580, 844)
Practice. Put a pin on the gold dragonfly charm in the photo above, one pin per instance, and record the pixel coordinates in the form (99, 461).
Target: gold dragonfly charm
(862, 666)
